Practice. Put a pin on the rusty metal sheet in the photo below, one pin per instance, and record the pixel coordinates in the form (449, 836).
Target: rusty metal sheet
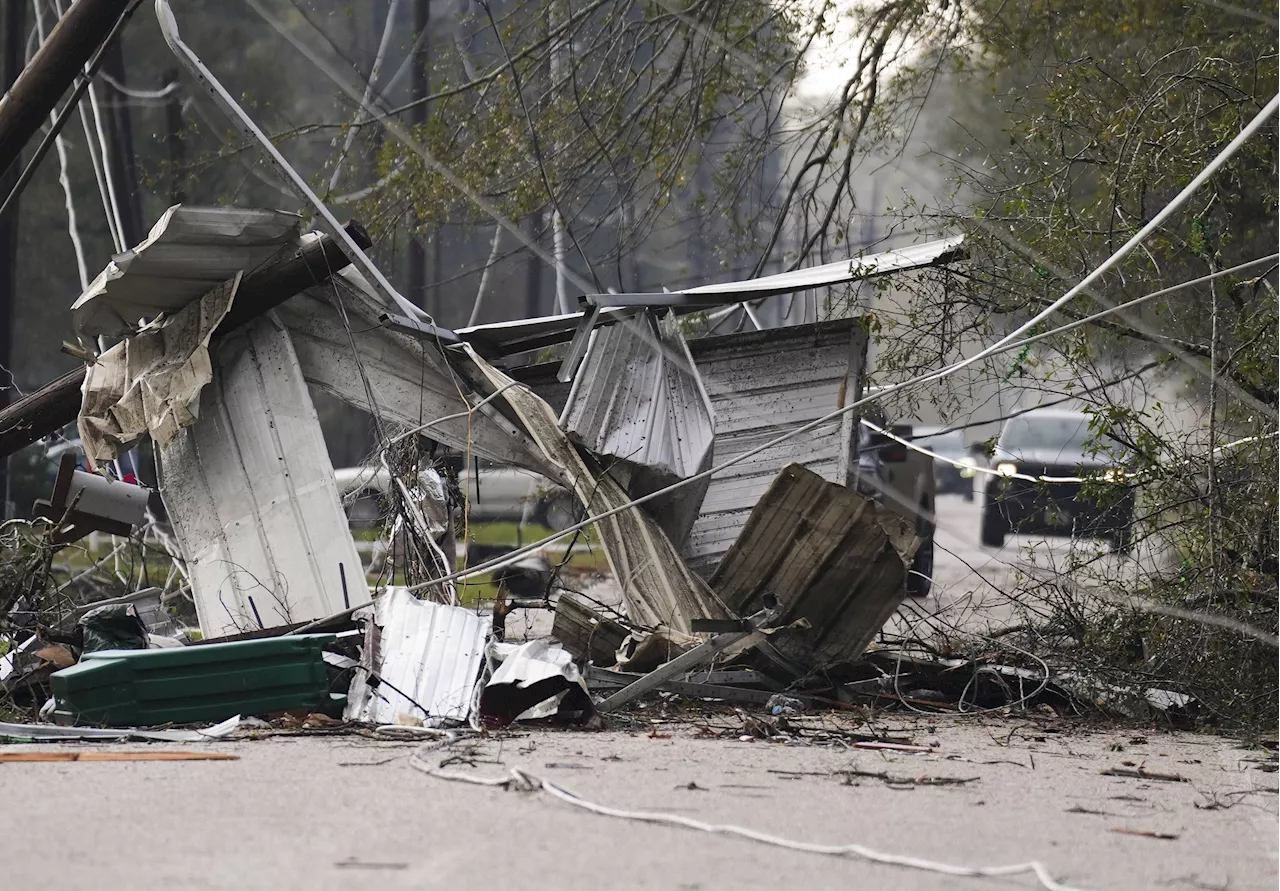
(829, 555)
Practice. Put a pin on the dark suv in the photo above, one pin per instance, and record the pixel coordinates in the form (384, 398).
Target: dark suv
(1054, 444)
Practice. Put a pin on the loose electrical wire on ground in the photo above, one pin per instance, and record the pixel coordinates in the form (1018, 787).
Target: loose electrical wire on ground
(521, 780)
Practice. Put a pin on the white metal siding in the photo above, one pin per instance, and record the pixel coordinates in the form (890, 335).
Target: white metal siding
(252, 496)
(762, 385)
(428, 650)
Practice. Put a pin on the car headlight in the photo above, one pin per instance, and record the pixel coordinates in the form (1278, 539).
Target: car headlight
(1005, 468)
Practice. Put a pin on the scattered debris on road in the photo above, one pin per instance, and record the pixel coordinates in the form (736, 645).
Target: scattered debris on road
(1141, 773)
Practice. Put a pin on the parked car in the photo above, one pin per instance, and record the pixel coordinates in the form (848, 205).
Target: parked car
(1053, 443)
(903, 481)
(951, 478)
(510, 494)
(496, 494)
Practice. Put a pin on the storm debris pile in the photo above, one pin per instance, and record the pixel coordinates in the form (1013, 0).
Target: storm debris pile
(226, 318)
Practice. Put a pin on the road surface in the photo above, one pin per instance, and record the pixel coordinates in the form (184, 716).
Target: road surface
(346, 812)
(973, 584)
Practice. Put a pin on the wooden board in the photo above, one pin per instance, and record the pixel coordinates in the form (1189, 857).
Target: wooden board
(11, 757)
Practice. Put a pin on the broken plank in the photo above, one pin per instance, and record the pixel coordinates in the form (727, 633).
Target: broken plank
(22, 757)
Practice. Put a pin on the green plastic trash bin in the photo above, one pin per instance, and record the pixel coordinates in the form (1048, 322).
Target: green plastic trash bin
(183, 685)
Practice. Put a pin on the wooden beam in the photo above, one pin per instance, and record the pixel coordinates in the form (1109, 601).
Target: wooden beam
(52, 70)
(57, 403)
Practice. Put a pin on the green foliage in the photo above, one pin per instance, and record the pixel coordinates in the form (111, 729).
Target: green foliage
(1096, 116)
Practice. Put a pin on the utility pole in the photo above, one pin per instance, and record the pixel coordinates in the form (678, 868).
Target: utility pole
(53, 69)
(421, 291)
(14, 38)
(122, 165)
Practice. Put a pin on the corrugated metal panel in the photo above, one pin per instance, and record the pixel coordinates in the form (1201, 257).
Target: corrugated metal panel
(343, 349)
(917, 256)
(762, 384)
(657, 586)
(429, 650)
(252, 496)
(522, 335)
(638, 398)
(829, 555)
(188, 251)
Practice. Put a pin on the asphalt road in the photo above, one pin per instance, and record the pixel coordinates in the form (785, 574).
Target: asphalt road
(974, 585)
(347, 812)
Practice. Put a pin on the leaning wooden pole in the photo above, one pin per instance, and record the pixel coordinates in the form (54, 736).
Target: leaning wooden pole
(57, 403)
(52, 70)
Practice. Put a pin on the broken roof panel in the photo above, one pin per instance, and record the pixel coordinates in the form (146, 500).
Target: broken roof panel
(251, 494)
(638, 398)
(657, 586)
(522, 335)
(762, 384)
(343, 349)
(829, 555)
(430, 651)
(917, 256)
(188, 251)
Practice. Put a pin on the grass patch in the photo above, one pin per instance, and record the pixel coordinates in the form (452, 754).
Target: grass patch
(512, 535)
